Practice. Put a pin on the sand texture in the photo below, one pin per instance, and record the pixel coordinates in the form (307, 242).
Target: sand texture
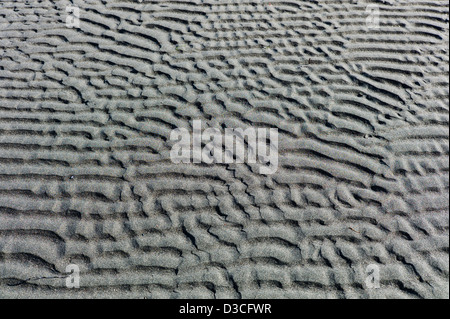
(86, 178)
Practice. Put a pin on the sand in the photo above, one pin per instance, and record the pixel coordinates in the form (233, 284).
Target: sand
(86, 178)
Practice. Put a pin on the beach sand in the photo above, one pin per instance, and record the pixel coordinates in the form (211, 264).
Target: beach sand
(88, 103)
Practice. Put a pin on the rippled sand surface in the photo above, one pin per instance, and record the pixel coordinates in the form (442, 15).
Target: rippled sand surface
(86, 178)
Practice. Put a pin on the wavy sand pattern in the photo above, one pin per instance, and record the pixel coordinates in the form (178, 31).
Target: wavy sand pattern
(85, 174)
